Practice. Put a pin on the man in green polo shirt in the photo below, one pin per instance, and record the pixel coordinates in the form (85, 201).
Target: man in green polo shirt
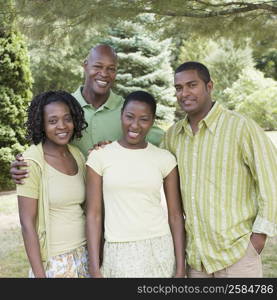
(101, 106)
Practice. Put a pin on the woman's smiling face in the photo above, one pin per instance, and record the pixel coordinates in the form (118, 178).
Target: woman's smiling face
(58, 123)
(136, 119)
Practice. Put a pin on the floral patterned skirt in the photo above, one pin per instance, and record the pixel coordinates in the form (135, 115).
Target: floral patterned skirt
(140, 259)
(73, 264)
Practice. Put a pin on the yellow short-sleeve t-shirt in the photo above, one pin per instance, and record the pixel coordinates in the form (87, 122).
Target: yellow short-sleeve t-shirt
(132, 182)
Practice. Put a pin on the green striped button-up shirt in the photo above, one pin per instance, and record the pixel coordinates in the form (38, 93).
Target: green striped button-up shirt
(228, 175)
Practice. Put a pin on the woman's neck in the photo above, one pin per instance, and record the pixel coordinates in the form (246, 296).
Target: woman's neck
(55, 150)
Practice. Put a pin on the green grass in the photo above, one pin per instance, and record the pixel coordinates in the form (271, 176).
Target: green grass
(13, 259)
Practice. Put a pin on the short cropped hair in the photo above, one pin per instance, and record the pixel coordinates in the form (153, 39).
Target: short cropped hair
(35, 121)
(201, 69)
(141, 96)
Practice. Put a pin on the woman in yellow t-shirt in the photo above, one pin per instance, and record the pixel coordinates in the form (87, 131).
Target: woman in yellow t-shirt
(124, 181)
(50, 202)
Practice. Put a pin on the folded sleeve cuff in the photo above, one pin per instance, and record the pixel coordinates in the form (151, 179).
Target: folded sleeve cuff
(262, 225)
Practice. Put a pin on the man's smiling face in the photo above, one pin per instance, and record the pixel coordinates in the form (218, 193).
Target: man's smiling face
(100, 70)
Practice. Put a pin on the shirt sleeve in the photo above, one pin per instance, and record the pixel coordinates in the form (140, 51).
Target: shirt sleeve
(94, 161)
(169, 163)
(260, 155)
(31, 185)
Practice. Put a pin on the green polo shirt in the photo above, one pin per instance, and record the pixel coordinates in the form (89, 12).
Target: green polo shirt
(104, 123)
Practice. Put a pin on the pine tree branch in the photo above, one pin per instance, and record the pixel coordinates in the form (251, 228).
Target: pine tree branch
(224, 9)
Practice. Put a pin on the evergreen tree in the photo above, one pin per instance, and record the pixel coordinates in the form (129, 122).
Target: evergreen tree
(221, 17)
(144, 64)
(15, 93)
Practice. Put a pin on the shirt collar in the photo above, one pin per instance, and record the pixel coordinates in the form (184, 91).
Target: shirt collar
(210, 120)
(182, 124)
(112, 102)
(79, 97)
(212, 117)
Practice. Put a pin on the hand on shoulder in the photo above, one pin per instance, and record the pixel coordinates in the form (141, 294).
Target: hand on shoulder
(99, 145)
(16, 171)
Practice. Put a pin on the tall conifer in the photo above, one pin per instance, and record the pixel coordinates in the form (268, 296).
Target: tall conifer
(144, 64)
(15, 93)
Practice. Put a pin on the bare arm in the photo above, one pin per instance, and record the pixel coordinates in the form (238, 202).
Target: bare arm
(94, 220)
(176, 219)
(27, 214)
(18, 173)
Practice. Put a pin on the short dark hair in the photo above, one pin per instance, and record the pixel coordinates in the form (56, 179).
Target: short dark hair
(141, 96)
(35, 121)
(201, 69)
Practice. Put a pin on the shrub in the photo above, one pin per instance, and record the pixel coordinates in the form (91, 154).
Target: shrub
(15, 93)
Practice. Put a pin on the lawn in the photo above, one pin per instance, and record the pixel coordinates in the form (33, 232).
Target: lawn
(13, 260)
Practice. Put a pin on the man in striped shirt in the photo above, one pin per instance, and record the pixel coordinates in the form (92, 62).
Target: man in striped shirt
(228, 174)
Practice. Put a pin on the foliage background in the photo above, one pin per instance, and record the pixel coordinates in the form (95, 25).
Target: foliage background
(235, 39)
(15, 93)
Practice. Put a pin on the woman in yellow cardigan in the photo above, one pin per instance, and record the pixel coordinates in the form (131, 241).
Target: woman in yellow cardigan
(50, 202)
